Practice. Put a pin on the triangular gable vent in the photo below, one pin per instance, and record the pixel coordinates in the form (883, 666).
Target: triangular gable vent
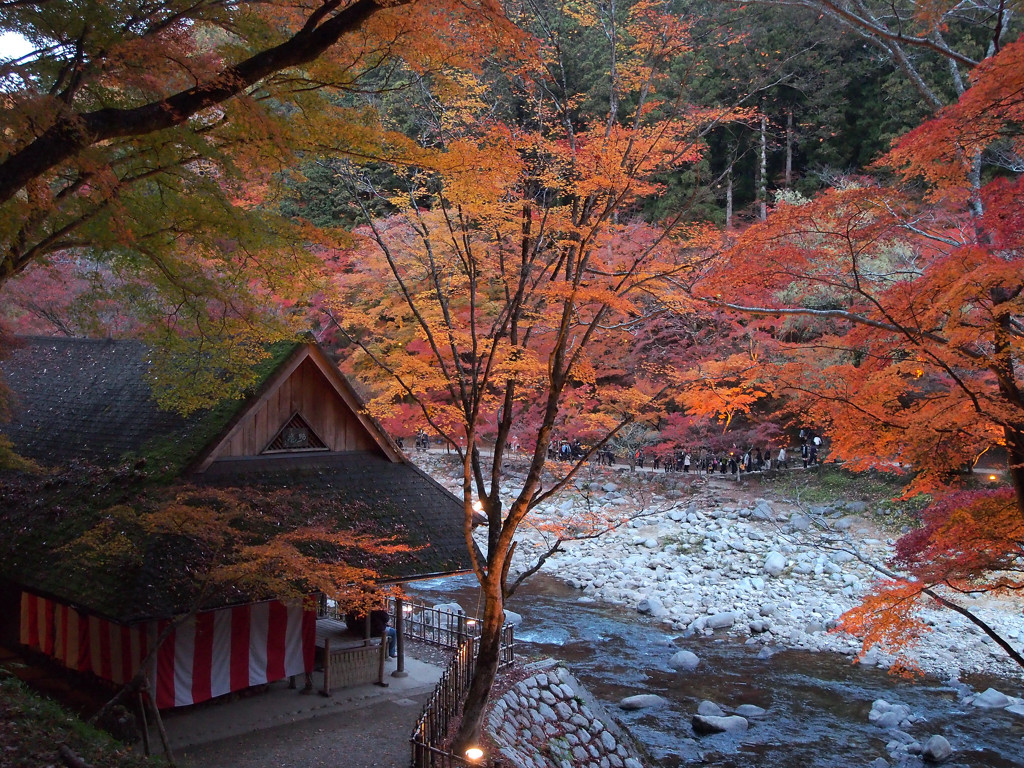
(295, 435)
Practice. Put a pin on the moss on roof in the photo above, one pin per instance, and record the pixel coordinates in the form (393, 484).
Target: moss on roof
(109, 543)
(90, 399)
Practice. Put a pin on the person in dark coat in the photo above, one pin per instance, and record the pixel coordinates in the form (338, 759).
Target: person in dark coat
(380, 622)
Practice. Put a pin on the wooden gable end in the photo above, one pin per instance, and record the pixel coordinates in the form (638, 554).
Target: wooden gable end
(307, 390)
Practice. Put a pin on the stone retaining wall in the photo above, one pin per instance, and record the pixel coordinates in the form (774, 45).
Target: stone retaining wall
(550, 721)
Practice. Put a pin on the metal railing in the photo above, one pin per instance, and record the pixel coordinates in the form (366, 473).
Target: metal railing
(443, 627)
(431, 731)
(436, 626)
(430, 736)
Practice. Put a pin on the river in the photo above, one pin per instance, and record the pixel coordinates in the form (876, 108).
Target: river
(817, 703)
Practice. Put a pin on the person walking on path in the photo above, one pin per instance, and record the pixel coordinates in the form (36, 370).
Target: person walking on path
(782, 458)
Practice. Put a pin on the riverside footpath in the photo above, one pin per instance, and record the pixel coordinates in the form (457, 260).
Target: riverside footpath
(366, 726)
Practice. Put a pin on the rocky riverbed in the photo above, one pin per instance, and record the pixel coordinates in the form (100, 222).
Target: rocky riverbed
(708, 557)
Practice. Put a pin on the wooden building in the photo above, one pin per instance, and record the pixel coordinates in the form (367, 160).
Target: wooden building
(83, 403)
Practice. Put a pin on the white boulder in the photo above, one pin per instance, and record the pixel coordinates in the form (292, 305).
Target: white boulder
(642, 701)
(992, 699)
(936, 749)
(775, 563)
(684, 661)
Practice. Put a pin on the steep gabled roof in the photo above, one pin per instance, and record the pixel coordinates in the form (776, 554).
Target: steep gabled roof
(339, 385)
(85, 400)
(90, 399)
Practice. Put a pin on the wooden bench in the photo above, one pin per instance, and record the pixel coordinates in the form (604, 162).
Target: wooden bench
(348, 660)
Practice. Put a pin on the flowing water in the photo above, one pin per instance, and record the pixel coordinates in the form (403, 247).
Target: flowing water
(817, 703)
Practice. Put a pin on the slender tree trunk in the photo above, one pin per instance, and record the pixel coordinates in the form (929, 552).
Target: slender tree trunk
(789, 147)
(728, 195)
(762, 176)
(613, 95)
(974, 176)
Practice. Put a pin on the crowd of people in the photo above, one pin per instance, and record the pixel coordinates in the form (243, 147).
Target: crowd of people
(703, 461)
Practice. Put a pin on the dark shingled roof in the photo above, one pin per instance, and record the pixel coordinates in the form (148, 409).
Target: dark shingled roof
(79, 399)
(82, 399)
(399, 497)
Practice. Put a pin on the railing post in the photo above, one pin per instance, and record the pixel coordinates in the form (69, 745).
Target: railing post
(327, 668)
(382, 660)
(400, 638)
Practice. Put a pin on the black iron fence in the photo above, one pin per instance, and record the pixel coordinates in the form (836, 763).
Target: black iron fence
(432, 729)
(438, 626)
(444, 705)
(446, 628)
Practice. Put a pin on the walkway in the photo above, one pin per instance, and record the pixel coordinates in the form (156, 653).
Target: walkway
(363, 727)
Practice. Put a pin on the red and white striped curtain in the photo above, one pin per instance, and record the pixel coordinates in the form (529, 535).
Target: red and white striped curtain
(210, 654)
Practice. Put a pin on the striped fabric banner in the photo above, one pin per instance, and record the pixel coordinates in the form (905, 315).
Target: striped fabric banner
(210, 654)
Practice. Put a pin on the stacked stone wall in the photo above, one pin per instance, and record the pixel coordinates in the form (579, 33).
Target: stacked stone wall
(549, 721)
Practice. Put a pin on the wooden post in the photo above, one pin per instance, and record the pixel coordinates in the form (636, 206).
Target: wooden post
(159, 725)
(145, 724)
(400, 637)
(382, 659)
(326, 691)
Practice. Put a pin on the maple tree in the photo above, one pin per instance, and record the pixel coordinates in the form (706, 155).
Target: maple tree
(151, 140)
(724, 398)
(896, 316)
(516, 261)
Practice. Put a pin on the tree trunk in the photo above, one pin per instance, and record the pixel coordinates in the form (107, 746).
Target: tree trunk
(762, 176)
(1005, 370)
(1015, 463)
(789, 147)
(486, 668)
(613, 96)
(728, 197)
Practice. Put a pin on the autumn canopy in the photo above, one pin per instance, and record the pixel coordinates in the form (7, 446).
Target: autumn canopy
(633, 225)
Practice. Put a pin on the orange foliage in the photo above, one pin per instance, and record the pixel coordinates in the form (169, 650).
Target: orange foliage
(942, 150)
(895, 320)
(887, 618)
(888, 333)
(515, 267)
(232, 544)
